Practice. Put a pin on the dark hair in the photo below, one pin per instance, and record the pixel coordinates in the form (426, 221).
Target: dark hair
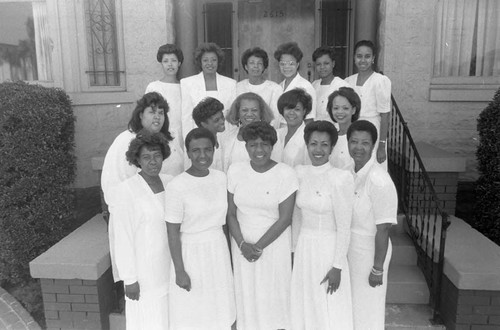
(152, 141)
(351, 96)
(366, 43)
(198, 133)
(149, 100)
(169, 49)
(324, 50)
(291, 98)
(288, 48)
(259, 129)
(207, 107)
(321, 126)
(257, 52)
(208, 47)
(363, 126)
(233, 116)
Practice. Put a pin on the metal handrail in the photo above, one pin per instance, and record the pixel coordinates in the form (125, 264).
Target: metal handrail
(425, 219)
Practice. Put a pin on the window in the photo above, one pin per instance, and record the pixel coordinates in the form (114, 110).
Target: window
(26, 45)
(467, 49)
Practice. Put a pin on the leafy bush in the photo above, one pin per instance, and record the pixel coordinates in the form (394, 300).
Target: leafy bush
(487, 206)
(36, 166)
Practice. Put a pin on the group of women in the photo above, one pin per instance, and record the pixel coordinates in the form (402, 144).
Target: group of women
(290, 167)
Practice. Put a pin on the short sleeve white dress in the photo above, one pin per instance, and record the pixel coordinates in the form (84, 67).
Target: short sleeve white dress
(325, 200)
(263, 287)
(199, 204)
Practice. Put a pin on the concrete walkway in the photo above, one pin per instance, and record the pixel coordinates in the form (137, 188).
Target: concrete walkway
(13, 316)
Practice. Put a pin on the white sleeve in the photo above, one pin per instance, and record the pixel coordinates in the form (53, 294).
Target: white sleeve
(174, 207)
(384, 198)
(383, 95)
(187, 109)
(288, 185)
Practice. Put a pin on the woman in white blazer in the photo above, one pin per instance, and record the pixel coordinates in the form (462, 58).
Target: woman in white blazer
(208, 83)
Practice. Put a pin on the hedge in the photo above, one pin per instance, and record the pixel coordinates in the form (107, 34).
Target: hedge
(37, 165)
(487, 206)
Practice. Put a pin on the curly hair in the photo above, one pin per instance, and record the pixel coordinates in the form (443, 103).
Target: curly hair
(363, 126)
(152, 99)
(289, 48)
(233, 116)
(257, 52)
(205, 109)
(324, 50)
(169, 49)
(321, 126)
(198, 133)
(259, 129)
(291, 98)
(152, 141)
(208, 47)
(351, 96)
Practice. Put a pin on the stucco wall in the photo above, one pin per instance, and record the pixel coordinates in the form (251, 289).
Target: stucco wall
(406, 40)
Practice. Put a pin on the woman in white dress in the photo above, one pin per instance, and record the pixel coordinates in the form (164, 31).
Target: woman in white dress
(255, 62)
(343, 108)
(246, 108)
(208, 114)
(261, 196)
(170, 57)
(289, 56)
(138, 235)
(374, 90)
(201, 281)
(374, 212)
(324, 59)
(321, 290)
(208, 58)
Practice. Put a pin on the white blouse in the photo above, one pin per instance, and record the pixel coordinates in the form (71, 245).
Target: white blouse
(295, 151)
(375, 94)
(299, 82)
(340, 157)
(322, 93)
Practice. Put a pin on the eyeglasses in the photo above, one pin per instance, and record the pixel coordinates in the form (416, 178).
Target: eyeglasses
(288, 63)
(258, 64)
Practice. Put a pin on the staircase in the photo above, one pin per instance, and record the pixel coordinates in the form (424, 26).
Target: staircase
(407, 302)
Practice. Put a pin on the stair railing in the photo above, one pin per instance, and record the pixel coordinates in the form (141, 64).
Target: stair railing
(425, 220)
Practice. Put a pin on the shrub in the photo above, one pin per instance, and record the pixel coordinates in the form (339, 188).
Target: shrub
(487, 206)
(36, 166)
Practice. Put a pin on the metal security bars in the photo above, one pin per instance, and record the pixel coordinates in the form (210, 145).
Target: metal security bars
(425, 219)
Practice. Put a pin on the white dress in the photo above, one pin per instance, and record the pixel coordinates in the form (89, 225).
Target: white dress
(340, 157)
(199, 204)
(270, 93)
(322, 93)
(139, 249)
(172, 94)
(375, 202)
(193, 90)
(263, 287)
(299, 82)
(325, 200)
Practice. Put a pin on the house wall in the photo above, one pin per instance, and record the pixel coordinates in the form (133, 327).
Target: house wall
(406, 33)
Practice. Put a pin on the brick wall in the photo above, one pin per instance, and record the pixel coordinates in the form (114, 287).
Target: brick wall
(469, 309)
(445, 184)
(78, 304)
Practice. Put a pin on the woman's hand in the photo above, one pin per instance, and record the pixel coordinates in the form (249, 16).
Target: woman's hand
(133, 291)
(375, 280)
(381, 155)
(182, 280)
(250, 252)
(333, 278)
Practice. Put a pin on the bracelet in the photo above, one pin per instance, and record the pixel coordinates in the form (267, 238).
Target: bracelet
(377, 272)
(242, 241)
(381, 141)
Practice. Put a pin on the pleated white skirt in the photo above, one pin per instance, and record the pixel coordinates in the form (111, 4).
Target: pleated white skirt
(311, 307)
(262, 288)
(147, 313)
(210, 304)
(368, 304)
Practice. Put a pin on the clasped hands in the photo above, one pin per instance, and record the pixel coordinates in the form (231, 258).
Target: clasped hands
(251, 252)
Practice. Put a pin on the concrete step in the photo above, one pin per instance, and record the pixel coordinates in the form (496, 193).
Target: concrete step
(403, 250)
(406, 285)
(410, 317)
(117, 321)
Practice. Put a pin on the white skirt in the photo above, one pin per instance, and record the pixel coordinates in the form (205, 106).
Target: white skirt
(210, 303)
(368, 303)
(263, 287)
(150, 313)
(311, 307)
